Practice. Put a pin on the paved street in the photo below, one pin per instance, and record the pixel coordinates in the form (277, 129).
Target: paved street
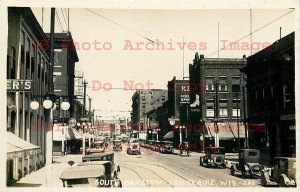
(151, 169)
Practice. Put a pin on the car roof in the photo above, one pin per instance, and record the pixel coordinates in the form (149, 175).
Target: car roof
(99, 154)
(288, 158)
(78, 172)
(93, 163)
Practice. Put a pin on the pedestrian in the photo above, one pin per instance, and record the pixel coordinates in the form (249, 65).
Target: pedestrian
(180, 147)
(187, 148)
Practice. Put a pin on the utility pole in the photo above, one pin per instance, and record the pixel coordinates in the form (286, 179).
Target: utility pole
(84, 97)
(245, 118)
(216, 114)
(90, 108)
(237, 119)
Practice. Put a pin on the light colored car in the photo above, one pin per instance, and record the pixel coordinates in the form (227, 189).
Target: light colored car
(89, 175)
(134, 148)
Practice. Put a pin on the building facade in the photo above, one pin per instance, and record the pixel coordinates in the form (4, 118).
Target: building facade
(64, 75)
(27, 60)
(144, 101)
(216, 102)
(271, 98)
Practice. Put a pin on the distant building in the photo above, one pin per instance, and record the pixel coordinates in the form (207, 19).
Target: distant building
(144, 101)
(271, 99)
(216, 103)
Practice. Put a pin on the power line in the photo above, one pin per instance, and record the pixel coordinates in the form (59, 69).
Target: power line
(58, 20)
(111, 21)
(255, 31)
(64, 17)
(258, 29)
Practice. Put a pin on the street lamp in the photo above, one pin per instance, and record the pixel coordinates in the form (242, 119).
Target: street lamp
(172, 122)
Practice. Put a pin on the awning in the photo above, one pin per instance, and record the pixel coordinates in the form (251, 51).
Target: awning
(17, 147)
(169, 135)
(72, 133)
(227, 131)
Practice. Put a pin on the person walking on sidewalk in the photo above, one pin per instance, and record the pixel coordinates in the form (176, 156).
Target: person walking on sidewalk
(187, 148)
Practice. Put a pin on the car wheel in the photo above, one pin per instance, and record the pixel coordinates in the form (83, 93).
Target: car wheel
(201, 161)
(244, 174)
(281, 182)
(232, 171)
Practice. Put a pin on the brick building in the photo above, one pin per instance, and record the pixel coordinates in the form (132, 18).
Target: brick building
(27, 60)
(271, 98)
(216, 101)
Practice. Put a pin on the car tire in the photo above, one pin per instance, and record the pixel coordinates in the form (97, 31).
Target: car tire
(281, 182)
(201, 161)
(232, 171)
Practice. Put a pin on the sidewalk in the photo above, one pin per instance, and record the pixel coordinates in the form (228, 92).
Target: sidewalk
(48, 176)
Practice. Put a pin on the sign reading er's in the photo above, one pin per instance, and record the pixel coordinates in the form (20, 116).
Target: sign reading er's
(19, 85)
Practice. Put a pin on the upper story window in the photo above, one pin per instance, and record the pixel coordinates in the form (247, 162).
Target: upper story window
(235, 84)
(209, 83)
(223, 83)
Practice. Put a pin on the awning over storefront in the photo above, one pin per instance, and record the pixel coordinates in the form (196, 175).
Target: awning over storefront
(17, 147)
(169, 135)
(227, 131)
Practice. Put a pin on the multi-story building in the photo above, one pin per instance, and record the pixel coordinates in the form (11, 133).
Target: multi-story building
(271, 99)
(144, 101)
(216, 105)
(64, 74)
(27, 60)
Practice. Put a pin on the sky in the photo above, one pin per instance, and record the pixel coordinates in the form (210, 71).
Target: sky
(116, 45)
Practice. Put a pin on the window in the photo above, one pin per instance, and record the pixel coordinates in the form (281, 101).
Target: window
(210, 108)
(223, 83)
(235, 84)
(209, 83)
(223, 111)
(236, 112)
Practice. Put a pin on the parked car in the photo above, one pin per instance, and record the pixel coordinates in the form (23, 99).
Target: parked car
(117, 145)
(97, 147)
(283, 173)
(134, 148)
(96, 170)
(214, 156)
(249, 163)
(106, 159)
(166, 147)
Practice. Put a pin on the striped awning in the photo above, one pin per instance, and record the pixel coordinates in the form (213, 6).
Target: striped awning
(17, 147)
(169, 135)
(227, 131)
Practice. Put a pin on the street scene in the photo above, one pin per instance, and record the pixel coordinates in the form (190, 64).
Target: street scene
(150, 98)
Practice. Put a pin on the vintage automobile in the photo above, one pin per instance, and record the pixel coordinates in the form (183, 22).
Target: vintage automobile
(283, 174)
(250, 160)
(97, 147)
(134, 148)
(166, 147)
(150, 144)
(88, 176)
(214, 156)
(106, 159)
(117, 145)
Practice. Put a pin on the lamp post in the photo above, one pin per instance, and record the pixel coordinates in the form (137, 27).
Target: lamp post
(49, 104)
(172, 122)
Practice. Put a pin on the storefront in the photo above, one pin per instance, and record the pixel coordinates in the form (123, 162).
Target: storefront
(22, 158)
